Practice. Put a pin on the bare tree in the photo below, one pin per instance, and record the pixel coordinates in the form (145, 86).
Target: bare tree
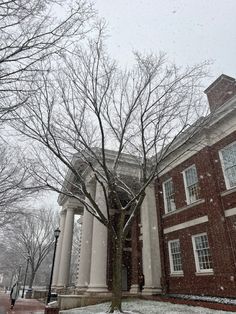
(14, 195)
(30, 33)
(93, 115)
(33, 237)
(9, 262)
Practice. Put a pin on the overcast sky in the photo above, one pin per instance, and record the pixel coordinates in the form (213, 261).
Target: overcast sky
(189, 31)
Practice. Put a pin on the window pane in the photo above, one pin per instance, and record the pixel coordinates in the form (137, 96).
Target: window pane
(191, 176)
(176, 256)
(229, 164)
(231, 175)
(203, 252)
(192, 185)
(229, 156)
(169, 196)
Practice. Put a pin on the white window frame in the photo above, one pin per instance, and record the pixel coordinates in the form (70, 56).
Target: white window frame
(186, 187)
(198, 269)
(165, 197)
(227, 184)
(172, 271)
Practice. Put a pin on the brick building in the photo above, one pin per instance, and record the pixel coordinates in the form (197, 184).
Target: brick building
(196, 205)
(184, 240)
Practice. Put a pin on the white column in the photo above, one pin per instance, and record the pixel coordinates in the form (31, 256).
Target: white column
(64, 269)
(151, 248)
(58, 251)
(86, 246)
(98, 274)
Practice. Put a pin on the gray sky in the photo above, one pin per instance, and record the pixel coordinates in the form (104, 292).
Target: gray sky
(189, 31)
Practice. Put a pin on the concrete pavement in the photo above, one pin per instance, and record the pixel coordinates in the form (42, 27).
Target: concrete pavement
(22, 306)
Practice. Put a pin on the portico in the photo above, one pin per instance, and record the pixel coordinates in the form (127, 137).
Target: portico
(70, 208)
(93, 268)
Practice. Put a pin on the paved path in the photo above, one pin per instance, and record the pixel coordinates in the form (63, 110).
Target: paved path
(22, 306)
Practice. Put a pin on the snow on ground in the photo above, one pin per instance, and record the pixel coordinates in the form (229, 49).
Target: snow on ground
(145, 307)
(205, 298)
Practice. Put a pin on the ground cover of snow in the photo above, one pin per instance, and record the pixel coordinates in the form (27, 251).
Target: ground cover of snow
(222, 300)
(145, 307)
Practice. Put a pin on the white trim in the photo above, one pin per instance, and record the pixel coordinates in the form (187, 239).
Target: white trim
(198, 270)
(223, 170)
(164, 194)
(172, 271)
(207, 273)
(185, 186)
(227, 192)
(230, 212)
(221, 126)
(187, 224)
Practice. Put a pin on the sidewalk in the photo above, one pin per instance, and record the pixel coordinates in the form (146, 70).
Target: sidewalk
(22, 306)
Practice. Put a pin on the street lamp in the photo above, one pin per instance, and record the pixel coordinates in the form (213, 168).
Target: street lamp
(56, 234)
(26, 270)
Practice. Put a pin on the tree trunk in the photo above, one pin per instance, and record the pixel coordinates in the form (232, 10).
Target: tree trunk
(31, 280)
(116, 304)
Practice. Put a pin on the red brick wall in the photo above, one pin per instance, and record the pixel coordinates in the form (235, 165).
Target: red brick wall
(219, 284)
(221, 231)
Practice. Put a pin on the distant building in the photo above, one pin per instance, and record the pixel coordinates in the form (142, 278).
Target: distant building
(184, 240)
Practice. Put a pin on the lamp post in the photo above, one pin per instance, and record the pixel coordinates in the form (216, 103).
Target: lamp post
(26, 270)
(56, 234)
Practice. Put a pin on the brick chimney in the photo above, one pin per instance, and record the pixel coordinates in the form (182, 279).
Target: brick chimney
(221, 90)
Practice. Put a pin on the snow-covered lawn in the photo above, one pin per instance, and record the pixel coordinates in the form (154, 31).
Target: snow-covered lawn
(145, 307)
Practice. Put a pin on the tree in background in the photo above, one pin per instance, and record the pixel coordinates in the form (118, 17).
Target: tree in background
(32, 237)
(13, 178)
(9, 263)
(32, 33)
(91, 115)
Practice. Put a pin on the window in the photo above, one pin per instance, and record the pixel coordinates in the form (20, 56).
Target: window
(175, 257)
(169, 194)
(202, 253)
(228, 161)
(191, 184)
